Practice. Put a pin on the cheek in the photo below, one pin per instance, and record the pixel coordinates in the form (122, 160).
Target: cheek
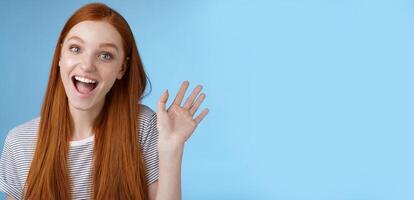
(66, 65)
(67, 61)
(65, 70)
(109, 75)
(64, 76)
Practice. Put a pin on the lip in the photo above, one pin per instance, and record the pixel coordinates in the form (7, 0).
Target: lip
(76, 90)
(85, 76)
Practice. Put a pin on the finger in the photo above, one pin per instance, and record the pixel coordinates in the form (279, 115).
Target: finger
(197, 103)
(163, 101)
(181, 93)
(190, 99)
(201, 116)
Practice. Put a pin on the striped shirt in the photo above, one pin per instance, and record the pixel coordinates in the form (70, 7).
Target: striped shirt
(20, 145)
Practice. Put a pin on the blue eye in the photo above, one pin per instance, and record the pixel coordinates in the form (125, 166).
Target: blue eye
(74, 49)
(105, 56)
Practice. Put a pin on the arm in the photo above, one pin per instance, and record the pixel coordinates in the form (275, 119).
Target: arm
(175, 126)
(170, 178)
(152, 190)
(169, 181)
(8, 197)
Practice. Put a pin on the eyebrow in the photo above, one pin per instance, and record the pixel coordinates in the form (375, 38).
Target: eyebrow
(100, 45)
(109, 45)
(75, 38)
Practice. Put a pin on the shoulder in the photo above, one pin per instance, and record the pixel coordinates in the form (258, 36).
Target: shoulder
(24, 133)
(146, 117)
(147, 126)
(145, 112)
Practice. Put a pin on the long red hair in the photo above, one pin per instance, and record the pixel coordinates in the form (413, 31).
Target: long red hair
(118, 168)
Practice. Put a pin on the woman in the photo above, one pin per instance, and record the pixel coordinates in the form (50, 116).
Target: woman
(93, 140)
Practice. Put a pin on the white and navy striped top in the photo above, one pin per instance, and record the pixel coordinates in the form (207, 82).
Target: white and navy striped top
(20, 145)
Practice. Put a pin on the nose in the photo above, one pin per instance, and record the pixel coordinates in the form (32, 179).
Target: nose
(88, 63)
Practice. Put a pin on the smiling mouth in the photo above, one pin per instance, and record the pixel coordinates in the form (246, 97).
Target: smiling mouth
(84, 85)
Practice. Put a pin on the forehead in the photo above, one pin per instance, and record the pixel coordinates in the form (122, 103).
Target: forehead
(95, 33)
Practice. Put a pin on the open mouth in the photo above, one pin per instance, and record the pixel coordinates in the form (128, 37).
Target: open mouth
(84, 85)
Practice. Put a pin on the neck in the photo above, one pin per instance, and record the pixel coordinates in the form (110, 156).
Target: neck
(83, 121)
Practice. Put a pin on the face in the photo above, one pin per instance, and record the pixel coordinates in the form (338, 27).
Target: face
(92, 59)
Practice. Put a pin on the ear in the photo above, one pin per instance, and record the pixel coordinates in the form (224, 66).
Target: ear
(122, 71)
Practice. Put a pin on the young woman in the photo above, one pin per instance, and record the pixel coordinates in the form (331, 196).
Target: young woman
(93, 139)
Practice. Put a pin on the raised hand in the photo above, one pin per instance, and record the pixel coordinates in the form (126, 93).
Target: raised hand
(177, 123)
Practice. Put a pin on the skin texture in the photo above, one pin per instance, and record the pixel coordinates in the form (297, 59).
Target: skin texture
(175, 125)
(85, 52)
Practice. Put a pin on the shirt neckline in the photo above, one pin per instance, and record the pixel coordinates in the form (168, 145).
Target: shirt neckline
(82, 141)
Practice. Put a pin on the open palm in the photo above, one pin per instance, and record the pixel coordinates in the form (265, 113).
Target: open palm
(177, 123)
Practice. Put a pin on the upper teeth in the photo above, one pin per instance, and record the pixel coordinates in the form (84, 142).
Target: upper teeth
(85, 80)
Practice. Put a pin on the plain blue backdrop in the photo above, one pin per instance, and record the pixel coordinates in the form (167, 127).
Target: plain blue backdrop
(308, 100)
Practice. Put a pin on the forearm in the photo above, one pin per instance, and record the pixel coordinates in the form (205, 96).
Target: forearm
(169, 180)
(175, 125)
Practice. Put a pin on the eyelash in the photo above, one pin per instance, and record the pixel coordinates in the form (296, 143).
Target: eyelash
(105, 54)
(72, 47)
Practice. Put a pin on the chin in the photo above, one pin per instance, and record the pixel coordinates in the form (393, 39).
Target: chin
(83, 106)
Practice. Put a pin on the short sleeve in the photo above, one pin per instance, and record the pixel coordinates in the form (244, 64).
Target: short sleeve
(8, 170)
(150, 149)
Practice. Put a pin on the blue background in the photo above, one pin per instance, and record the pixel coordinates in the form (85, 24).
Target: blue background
(308, 99)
